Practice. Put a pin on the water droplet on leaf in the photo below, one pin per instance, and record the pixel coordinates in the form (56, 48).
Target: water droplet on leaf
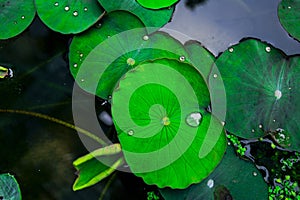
(182, 58)
(268, 49)
(22, 17)
(230, 50)
(210, 183)
(277, 94)
(194, 119)
(67, 8)
(145, 37)
(75, 13)
(98, 25)
(85, 9)
(75, 65)
(130, 132)
(215, 75)
(56, 4)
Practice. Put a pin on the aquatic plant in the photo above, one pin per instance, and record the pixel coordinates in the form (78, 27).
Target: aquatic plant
(169, 117)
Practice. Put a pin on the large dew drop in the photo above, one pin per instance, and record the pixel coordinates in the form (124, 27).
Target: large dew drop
(194, 119)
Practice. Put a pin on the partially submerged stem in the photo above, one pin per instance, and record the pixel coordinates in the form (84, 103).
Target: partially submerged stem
(109, 182)
(58, 121)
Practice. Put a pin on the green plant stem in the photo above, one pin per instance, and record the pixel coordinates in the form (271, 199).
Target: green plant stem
(109, 182)
(58, 121)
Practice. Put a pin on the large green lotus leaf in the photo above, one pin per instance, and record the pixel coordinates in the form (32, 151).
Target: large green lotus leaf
(156, 4)
(232, 179)
(99, 57)
(93, 169)
(289, 16)
(15, 17)
(159, 109)
(262, 91)
(67, 17)
(151, 18)
(9, 187)
(200, 57)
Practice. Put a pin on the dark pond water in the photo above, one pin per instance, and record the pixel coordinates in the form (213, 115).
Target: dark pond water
(39, 152)
(218, 24)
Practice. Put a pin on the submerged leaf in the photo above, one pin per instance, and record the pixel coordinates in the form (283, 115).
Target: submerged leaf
(159, 109)
(9, 187)
(233, 178)
(151, 18)
(289, 16)
(99, 57)
(15, 17)
(92, 169)
(74, 16)
(262, 90)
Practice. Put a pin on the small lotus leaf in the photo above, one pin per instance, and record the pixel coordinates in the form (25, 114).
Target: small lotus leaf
(67, 17)
(99, 57)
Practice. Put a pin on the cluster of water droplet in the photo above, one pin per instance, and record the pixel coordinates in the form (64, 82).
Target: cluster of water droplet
(67, 9)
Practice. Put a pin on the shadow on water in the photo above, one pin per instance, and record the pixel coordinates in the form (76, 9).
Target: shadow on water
(194, 3)
(39, 152)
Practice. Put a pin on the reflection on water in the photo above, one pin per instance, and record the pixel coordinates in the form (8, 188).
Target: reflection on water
(218, 24)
